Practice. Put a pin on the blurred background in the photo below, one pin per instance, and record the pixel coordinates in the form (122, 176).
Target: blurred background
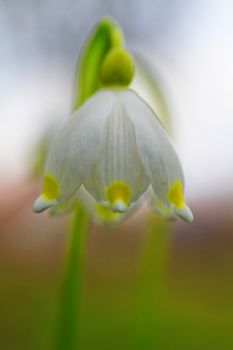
(146, 286)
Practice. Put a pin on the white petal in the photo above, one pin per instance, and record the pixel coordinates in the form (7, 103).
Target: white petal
(76, 147)
(118, 158)
(157, 153)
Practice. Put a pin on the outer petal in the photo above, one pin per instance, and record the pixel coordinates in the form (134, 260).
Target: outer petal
(157, 153)
(169, 212)
(119, 161)
(75, 149)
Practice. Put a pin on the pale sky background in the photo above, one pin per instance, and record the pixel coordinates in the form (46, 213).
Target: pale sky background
(189, 44)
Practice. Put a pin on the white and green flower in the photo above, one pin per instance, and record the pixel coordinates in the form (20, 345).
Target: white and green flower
(115, 147)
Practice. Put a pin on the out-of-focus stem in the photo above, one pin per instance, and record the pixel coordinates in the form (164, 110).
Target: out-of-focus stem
(150, 287)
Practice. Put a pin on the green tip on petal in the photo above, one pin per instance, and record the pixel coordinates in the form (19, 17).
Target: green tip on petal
(117, 68)
(184, 213)
(119, 207)
(41, 204)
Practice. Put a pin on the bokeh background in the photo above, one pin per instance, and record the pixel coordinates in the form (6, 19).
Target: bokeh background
(146, 287)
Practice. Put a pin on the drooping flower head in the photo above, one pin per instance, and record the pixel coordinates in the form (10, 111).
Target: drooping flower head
(115, 148)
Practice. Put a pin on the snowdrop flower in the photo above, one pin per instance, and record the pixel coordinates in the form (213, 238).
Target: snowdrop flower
(115, 147)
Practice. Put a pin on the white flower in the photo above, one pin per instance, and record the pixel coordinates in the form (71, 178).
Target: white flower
(115, 147)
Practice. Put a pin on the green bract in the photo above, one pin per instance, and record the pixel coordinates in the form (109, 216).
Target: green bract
(104, 37)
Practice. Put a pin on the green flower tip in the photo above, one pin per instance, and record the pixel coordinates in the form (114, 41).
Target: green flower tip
(117, 68)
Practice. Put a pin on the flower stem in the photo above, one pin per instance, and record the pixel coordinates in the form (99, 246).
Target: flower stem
(151, 280)
(69, 321)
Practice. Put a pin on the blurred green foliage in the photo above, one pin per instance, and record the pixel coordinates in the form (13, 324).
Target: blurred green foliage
(175, 308)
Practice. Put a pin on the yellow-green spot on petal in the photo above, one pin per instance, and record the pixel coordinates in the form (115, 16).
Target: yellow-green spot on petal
(118, 191)
(117, 68)
(105, 214)
(175, 194)
(50, 189)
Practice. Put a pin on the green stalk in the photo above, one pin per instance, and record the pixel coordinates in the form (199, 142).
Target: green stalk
(69, 320)
(150, 285)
